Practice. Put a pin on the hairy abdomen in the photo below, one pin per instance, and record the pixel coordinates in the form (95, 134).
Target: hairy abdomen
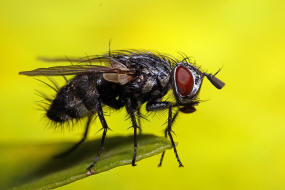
(79, 97)
(74, 100)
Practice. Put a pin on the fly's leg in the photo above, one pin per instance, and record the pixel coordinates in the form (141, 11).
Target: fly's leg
(139, 120)
(74, 147)
(165, 134)
(162, 106)
(131, 111)
(105, 128)
(169, 130)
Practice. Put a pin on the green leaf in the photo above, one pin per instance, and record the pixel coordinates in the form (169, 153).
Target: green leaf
(33, 166)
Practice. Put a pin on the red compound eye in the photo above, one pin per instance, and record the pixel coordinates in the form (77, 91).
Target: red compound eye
(184, 80)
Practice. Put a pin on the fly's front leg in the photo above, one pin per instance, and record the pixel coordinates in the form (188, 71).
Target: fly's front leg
(165, 134)
(131, 111)
(169, 130)
(162, 106)
(105, 128)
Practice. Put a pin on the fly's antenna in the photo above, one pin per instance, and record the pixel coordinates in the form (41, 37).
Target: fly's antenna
(214, 80)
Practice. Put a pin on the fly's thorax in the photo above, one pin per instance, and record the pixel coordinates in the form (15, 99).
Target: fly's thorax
(186, 82)
(150, 75)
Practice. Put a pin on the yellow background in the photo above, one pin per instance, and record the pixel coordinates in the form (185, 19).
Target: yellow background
(236, 139)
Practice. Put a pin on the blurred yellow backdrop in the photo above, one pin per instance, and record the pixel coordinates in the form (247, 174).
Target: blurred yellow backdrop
(235, 140)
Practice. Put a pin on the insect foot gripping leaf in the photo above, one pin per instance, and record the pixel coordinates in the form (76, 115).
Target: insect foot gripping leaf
(32, 166)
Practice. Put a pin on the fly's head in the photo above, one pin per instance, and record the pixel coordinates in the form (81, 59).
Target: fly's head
(187, 80)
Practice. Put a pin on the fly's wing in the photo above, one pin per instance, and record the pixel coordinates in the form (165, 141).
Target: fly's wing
(118, 77)
(116, 72)
(87, 59)
(71, 70)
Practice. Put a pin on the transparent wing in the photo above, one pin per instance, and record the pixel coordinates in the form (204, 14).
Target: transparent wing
(90, 59)
(75, 70)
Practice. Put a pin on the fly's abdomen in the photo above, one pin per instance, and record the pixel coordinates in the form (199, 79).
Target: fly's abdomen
(62, 109)
(73, 101)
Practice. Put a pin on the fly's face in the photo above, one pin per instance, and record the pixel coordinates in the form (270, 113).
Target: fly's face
(187, 80)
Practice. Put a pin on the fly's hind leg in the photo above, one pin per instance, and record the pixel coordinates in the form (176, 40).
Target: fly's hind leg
(105, 128)
(74, 147)
(152, 106)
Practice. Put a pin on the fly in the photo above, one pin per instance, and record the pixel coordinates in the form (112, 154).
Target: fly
(127, 79)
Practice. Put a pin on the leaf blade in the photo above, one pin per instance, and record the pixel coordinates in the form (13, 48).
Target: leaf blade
(45, 172)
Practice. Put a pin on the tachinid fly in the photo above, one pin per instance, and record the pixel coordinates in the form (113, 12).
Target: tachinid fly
(127, 79)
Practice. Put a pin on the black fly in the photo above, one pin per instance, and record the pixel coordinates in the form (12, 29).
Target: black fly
(127, 79)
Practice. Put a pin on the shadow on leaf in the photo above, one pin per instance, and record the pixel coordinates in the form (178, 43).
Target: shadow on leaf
(47, 172)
